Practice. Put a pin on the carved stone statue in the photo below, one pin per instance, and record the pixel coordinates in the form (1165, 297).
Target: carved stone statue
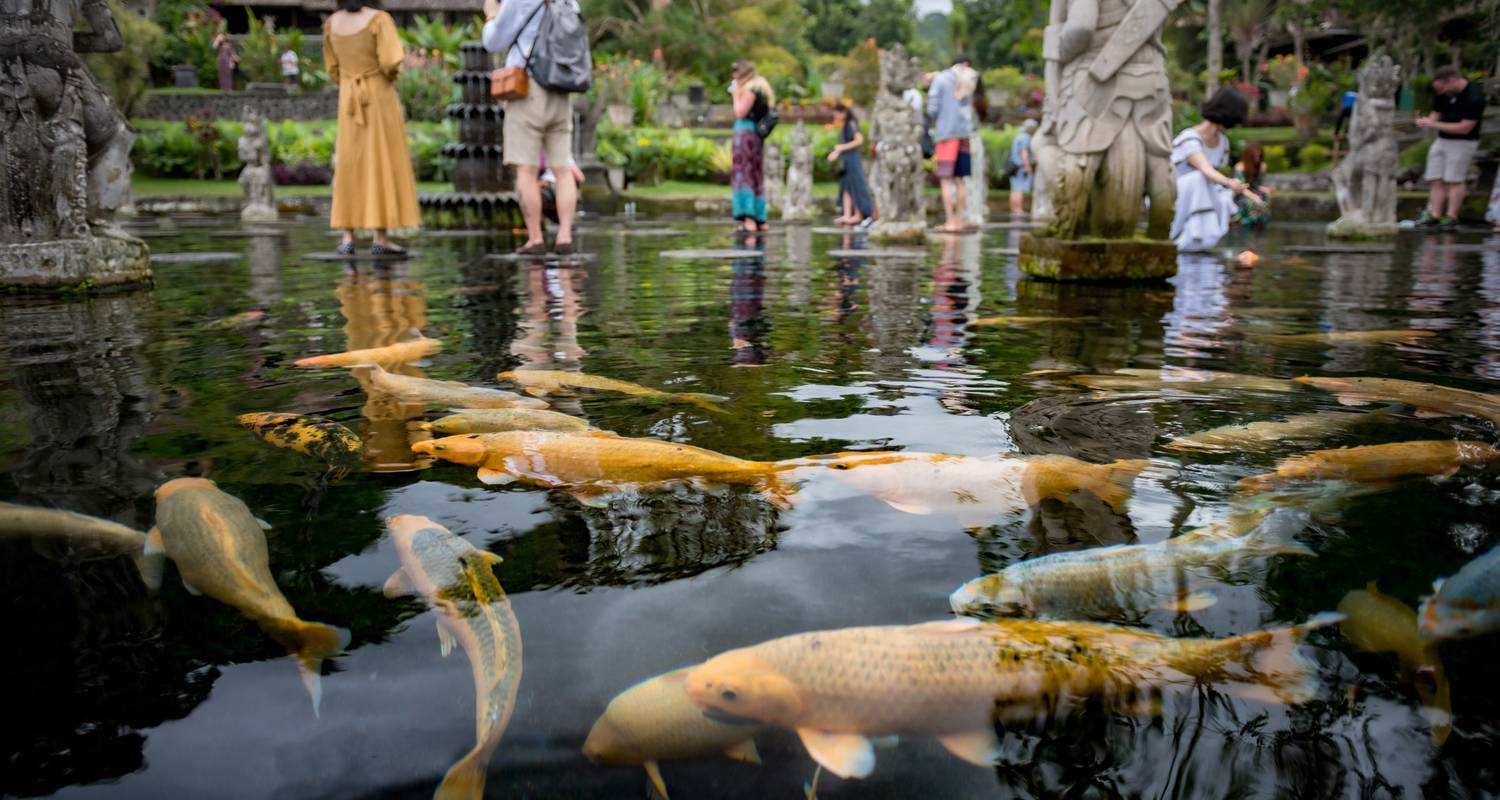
(797, 205)
(255, 178)
(977, 204)
(896, 127)
(1365, 181)
(65, 152)
(1105, 141)
(775, 173)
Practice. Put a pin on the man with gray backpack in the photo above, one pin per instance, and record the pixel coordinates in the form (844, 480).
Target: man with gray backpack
(547, 60)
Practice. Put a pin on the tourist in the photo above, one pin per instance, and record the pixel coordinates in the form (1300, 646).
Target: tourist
(950, 104)
(227, 60)
(373, 185)
(1492, 213)
(1457, 109)
(1021, 167)
(1205, 196)
(539, 123)
(753, 99)
(291, 69)
(854, 192)
(1249, 170)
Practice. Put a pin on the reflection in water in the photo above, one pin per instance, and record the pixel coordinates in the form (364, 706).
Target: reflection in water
(749, 327)
(381, 306)
(848, 273)
(1489, 316)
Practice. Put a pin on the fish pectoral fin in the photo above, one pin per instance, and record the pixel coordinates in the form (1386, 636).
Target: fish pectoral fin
(397, 585)
(847, 755)
(653, 771)
(1190, 602)
(592, 497)
(535, 391)
(153, 545)
(445, 640)
(909, 507)
(810, 789)
(495, 477)
(744, 751)
(1431, 413)
(1351, 400)
(191, 589)
(265, 526)
(492, 559)
(980, 748)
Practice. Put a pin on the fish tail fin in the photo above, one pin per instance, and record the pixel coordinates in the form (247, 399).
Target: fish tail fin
(314, 642)
(465, 779)
(1267, 666)
(1432, 689)
(703, 401)
(1274, 536)
(1113, 483)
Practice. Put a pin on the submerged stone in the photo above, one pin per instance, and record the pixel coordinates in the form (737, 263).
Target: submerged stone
(1098, 259)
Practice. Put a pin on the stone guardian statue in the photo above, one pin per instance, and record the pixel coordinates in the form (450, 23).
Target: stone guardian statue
(1365, 181)
(255, 178)
(896, 128)
(775, 172)
(797, 204)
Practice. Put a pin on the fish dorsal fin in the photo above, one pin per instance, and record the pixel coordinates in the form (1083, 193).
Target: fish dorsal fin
(847, 755)
(445, 640)
(744, 751)
(980, 748)
(397, 585)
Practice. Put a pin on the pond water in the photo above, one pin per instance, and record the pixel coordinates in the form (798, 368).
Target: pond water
(114, 692)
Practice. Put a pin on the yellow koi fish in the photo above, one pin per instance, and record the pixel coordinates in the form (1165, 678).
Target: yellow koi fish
(392, 355)
(1186, 380)
(955, 679)
(595, 463)
(1378, 462)
(499, 420)
(1347, 337)
(1425, 397)
(1126, 581)
(976, 490)
(1378, 623)
(240, 320)
(542, 382)
(1258, 435)
(80, 536)
(655, 721)
(320, 438)
(220, 550)
(457, 581)
(447, 393)
(985, 321)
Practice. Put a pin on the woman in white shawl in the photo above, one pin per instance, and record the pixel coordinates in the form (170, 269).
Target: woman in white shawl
(1205, 196)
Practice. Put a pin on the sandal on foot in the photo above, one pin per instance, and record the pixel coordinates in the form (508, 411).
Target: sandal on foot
(536, 249)
(386, 250)
(345, 249)
(563, 248)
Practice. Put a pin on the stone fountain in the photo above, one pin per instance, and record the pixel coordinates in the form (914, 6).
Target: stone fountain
(483, 192)
(1104, 144)
(64, 154)
(1365, 181)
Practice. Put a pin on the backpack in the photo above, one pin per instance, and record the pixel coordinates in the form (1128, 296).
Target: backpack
(561, 61)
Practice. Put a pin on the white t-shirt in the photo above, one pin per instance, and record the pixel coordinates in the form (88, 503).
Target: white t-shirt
(289, 63)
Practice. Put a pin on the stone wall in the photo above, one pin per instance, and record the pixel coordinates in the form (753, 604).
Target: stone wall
(231, 105)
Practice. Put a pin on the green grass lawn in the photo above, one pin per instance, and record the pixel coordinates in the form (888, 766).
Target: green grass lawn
(187, 187)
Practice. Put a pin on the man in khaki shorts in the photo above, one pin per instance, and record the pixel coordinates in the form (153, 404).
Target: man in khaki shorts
(541, 123)
(1457, 109)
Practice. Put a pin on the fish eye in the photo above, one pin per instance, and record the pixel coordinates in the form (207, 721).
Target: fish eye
(840, 466)
(440, 447)
(729, 695)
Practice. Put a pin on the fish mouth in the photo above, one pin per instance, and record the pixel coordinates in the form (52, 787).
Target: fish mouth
(725, 718)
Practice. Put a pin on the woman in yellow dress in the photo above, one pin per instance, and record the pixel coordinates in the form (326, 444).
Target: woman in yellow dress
(373, 185)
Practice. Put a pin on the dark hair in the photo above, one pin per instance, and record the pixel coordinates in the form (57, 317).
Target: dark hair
(960, 58)
(981, 101)
(355, 5)
(1227, 107)
(1446, 74)
(1254, 159)
(840, 108)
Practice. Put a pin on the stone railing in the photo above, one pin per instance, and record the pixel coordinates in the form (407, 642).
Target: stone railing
(230, 105)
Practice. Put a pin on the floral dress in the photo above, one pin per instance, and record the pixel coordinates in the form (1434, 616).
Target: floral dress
(1248, 214)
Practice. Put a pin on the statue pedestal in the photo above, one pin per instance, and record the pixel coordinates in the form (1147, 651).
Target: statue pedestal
(109, 258)
(893, 230)
(1098, 259)
(1341, 229)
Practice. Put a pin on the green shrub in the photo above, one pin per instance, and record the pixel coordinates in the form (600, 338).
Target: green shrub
(1276, 158)
(261, 48)
(193, 25)
(125, 74)
(997, 142)
(1415, 156)
(425, 87)
(201, 149)
(1313, 157)
(436, 38)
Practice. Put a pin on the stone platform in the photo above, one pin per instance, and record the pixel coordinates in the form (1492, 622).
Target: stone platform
(110, 259)
(1098, 259)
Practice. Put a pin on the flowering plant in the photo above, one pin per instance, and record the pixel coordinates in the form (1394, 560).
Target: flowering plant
(1284, 71)
(424, 85)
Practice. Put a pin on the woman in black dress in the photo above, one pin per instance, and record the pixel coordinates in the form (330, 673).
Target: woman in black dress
(854, 193)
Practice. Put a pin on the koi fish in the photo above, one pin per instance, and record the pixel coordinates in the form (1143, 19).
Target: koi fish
(985, 321)
(1466, 604)
(955, 679)
(1378, 462)
(1378, 623)
(240, 320)
(542, 382)
(655, 721)
(82, 537)
(447, 393)
(1186, 380)
(457, 581)
(320, 438)
(499, 420)
(1258, 435)
(1427, 398)
(220, 550)
(392, 355)
(1346, 337)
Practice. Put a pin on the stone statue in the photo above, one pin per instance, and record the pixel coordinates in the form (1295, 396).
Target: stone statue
(255, 178)
(797, 205)
(65, 153)
(977, 204)
(775, 173)
(1365, 181)
(1105, 141)
(896, 127)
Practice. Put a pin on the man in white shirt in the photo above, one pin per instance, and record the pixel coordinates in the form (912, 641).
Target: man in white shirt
(291, 70)
(540, 122)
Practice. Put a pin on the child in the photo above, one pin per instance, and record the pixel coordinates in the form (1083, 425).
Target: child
(1250, 169)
